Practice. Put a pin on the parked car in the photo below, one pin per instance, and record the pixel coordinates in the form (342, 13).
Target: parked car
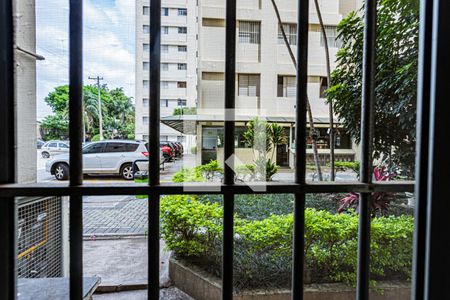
(181, 147)
(52, 148)
(168, 152)
(39, 143)
(170, 155)
(113, 157)
(178, 150)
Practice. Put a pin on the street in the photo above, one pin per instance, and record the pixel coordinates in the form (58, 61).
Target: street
(109, 216)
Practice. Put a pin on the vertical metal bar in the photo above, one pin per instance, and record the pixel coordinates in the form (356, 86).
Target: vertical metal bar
(300, 148)
(422, 129)
(367, 127)
(76, 136)
(154, 178)
(8, 220)
(438, 240)
(230, 89)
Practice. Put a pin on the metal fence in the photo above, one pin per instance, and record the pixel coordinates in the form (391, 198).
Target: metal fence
(432, 241)
(39, 237)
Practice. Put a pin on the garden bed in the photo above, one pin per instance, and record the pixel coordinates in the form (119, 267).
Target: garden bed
(201, 285)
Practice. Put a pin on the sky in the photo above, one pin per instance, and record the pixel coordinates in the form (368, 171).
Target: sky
(108, 45)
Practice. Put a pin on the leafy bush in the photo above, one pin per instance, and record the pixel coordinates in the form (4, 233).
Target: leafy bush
(208, 172)
(192, 226)
(347, 165)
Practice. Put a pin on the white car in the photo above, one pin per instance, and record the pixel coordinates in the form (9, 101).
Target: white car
(114, 157)
(52, 148)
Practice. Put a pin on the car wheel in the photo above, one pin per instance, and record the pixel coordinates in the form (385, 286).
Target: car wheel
(45, 154)
(127, 172)
(62, 172)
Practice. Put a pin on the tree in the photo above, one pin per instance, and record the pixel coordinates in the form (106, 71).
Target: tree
(395, 80)
(117, 111)
(308, 106)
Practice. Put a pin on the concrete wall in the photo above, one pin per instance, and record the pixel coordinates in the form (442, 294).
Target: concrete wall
(25, 92)
(202, 286)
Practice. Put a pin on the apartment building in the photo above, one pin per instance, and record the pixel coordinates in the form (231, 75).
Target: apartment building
(178, 63)
(265, 74)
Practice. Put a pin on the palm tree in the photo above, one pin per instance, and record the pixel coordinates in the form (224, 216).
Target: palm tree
(308, 105)
(277, 137)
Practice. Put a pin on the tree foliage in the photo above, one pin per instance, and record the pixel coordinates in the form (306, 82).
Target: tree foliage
(117, 113)
(395, 80)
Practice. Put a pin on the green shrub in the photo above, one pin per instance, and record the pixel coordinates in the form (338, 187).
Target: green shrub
(192, 227)
(208, 172)
(347, 165)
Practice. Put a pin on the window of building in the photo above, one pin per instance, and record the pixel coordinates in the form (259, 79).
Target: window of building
(146, 84)
(145, 102)
(146, 28)
(145, 120)
(146, 65)
(249, 32)
(182, 48)
(164, 67)
(146, 47)
(164, 48)
(181, 84)
(181, 102)
(182, 12)
(333, 41)
(182, 66)
(164, 11)
(163, 137)
(323, 87)
(286, 86)
(182, 30)
(291, 33)
(164, 84)
(180, 139)
(164, 30)
(164, 102)
(249, 85)
(146, 10)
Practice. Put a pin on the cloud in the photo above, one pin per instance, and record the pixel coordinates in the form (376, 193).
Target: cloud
(108, 45)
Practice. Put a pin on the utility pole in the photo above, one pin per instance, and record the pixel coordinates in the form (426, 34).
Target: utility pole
(100, 119)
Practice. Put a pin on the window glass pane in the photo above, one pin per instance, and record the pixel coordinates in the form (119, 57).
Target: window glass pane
(164, 11)
(94, 148)
(182, 30)
(145, 66)
(182, 66)
(146, 28)
(182, 12)
(115, 147)
(291, 34)
(249, 32)
(182, 48)
(146, 10)
(164, 29)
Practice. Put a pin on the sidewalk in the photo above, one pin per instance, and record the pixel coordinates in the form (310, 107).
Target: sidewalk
(123, 263)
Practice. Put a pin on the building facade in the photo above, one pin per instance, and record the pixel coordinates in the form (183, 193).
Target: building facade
(178, 63)
(265, 73)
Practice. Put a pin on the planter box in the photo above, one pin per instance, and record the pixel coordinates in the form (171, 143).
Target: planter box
(202, 286)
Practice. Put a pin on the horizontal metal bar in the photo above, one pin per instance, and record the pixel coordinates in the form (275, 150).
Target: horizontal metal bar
(45, 189)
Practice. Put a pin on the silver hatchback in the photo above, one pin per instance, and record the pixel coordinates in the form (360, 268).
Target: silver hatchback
(113, 157)
(52, 148)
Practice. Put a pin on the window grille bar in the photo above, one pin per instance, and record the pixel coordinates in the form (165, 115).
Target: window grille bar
(76, 135)
(154, 132)
(422, 127)
(438, 239)
(300, 148)
(8, 220)
(367, 128)
(228, 203)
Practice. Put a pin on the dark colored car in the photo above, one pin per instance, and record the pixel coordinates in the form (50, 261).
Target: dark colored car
(181, 147)
(178, 149)
(39, 143)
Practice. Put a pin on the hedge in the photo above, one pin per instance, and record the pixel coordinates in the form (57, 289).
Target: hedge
(192, 227)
